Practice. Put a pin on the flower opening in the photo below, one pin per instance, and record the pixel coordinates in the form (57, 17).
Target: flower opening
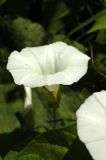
(53, 64)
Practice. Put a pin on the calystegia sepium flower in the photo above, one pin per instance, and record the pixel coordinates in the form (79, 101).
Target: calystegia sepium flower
(91, 124)
(48, 65)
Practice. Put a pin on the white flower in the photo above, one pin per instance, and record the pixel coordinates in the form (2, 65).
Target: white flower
(49, 65)
(91, 124)
(28, 97)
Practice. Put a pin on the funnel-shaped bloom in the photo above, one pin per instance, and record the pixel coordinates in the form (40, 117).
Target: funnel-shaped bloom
(49, 65)
(91, 124)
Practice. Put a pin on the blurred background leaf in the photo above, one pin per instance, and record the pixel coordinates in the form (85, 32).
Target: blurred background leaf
(20, 32)
(8, 107)
(100, 24)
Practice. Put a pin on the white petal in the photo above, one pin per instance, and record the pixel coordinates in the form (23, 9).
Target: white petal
(57, 63)
(91, 124)
(48, 55)
(98, 149)
(72, 57)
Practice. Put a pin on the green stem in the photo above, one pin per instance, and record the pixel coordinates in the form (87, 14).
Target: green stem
(54, 117)
(85, 23)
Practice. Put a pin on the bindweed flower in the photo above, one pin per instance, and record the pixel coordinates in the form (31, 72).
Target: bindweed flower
(28, 97)
(91, 124)
(48, 65)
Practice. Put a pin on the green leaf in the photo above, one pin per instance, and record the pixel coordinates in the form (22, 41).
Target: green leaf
(87, 22)
(10, 103)
(30, 157)
(63, 136)
(12, 155)
(26, 34)
(100, 24)
(43, 112)
(47, 151)
(38, 151)
(21, 32)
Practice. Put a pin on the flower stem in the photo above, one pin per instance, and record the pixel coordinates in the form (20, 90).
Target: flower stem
(54, 117)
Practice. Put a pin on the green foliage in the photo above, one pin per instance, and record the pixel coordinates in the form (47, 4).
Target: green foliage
(38, 151)
(30, 157)
(28, 134)
(65, 113)
(8, 107)
(63, 136)
(11, 155)
(27, 33)
(47, 151)
(22, 32)
(15, 156)
(100, 24)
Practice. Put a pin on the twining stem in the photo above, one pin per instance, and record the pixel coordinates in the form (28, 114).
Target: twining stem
(85, 23)
(54, 117)
(57, 98)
